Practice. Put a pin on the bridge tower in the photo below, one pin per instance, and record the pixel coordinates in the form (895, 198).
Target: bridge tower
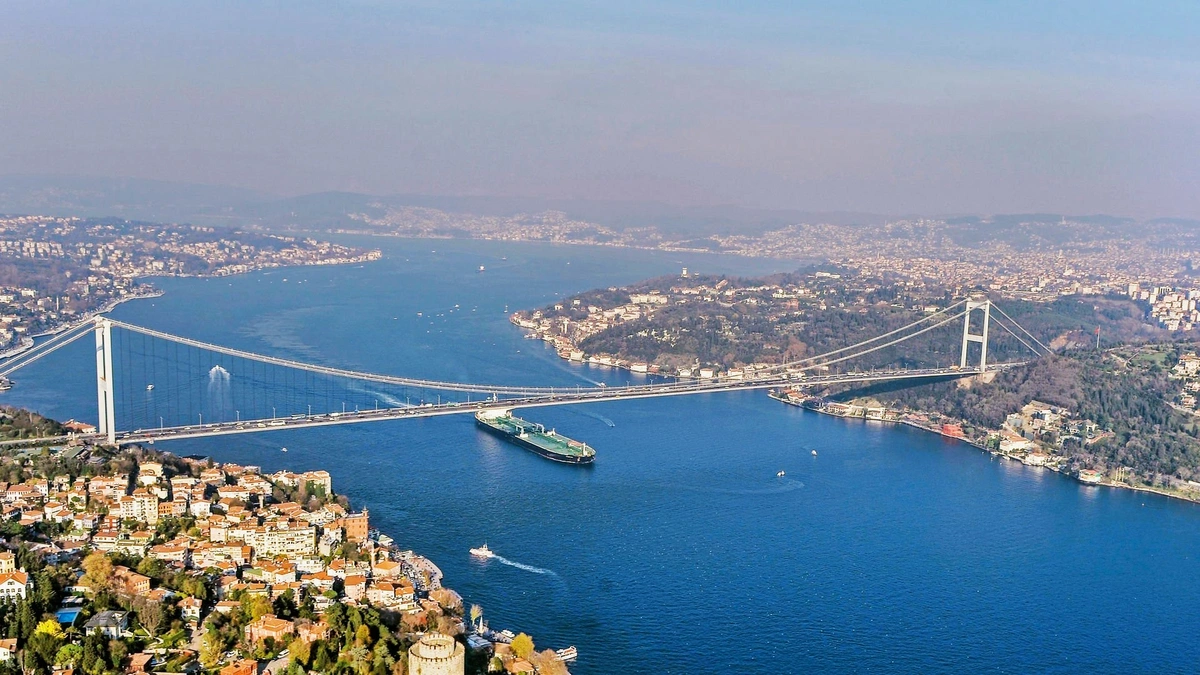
(981, 338)
(104, 379)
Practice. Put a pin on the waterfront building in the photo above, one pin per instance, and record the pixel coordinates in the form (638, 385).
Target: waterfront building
(287, 541)
(437, 654)
(356, 526)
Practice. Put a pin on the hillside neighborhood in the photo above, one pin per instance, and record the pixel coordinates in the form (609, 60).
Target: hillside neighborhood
(136, 562)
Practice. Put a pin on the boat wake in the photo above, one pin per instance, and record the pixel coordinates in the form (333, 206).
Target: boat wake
(594, 416)
(782, 485)
(387, 399)
(523, 566)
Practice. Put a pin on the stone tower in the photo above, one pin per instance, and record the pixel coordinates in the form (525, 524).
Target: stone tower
(436, 654)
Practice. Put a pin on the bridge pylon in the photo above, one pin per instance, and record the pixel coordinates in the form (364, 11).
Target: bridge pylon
(981, 338)
(104, 379)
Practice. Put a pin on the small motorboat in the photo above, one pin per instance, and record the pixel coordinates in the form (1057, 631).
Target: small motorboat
(814, 453)
(149, 387)
(283, 449)
(781, 474)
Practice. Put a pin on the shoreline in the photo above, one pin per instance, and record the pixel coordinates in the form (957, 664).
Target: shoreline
(30, 341)
(663, 249)
(994, 453)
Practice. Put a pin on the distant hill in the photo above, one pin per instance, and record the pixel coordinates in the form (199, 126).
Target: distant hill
(131, 198)
(142, 199)
(155, 200)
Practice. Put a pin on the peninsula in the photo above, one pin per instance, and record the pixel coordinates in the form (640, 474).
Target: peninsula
(119, 561)
(57, 271)
(1122, 413)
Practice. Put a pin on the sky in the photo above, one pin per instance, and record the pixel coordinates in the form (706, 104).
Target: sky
(916, 107)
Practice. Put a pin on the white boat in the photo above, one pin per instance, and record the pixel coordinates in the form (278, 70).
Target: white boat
(283, 449)
(483, 552)
(149, 387)
(781, 474)
(814, 453)
(568, 654)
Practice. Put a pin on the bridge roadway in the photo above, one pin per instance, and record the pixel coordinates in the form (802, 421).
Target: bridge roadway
(588, 395)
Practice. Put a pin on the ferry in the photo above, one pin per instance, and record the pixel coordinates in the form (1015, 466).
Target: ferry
(534, 437)
(567, 655)
(483, 552)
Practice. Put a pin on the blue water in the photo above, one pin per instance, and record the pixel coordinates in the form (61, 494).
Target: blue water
(680, 551)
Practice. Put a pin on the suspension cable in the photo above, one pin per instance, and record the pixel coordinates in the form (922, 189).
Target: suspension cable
(1014, 321)
(48, 347)
(886, 345)
(1018, 337)
(874, 339)
(526, 391)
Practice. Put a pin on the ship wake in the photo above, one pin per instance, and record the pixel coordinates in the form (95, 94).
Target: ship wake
(523, 566)
(594, 416)
(783, 485)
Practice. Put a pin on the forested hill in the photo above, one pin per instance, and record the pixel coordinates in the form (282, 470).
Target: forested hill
(1126, 391)
(17, 423)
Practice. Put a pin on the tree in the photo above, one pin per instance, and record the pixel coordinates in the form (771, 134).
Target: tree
(382, 662)
(49, 627)
(301, 652)
(151, 567)
(285, 605)
(323, 659)
(69, 656)
(43, 589)
(447, 625)
(95, 654)
(26, 621)
(335, 616)
(211, 648)
(45, 646)
(152, 615)
(476, 616)
(97, 571)
(255, 607)
(117, 651)
(448, 599)
(547, 663)
(360, 659)
(362, 635)
(522, 646)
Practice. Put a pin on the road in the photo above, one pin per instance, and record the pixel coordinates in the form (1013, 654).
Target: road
(582, 395)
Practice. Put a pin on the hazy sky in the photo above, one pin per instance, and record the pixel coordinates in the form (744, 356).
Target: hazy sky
(886, 106)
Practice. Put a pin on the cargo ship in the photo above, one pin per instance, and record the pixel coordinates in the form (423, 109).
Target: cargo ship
(534, 437)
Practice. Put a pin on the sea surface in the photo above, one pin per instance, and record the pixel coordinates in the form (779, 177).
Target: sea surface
(680, 550)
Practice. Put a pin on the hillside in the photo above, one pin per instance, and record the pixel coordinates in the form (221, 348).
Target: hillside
(1127, 391)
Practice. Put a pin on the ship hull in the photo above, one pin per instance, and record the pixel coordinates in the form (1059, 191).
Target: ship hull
(540, 452)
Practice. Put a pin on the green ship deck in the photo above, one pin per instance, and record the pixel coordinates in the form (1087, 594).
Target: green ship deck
(535, 437)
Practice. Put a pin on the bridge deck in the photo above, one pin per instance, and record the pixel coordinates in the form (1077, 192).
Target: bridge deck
(589, 395)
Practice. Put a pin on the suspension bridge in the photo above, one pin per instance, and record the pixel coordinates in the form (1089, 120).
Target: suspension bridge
(169, 384)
